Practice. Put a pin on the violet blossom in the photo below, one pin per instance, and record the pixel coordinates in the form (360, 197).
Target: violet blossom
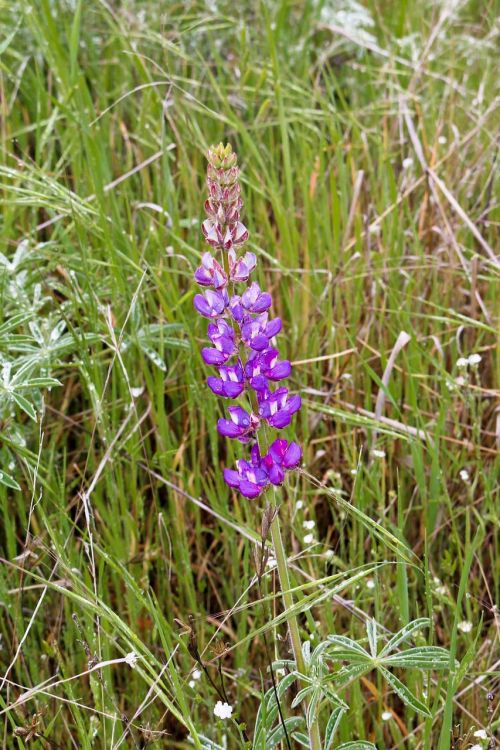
(241, 331)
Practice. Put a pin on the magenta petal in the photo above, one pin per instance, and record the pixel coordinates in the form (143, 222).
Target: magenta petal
(276, 474)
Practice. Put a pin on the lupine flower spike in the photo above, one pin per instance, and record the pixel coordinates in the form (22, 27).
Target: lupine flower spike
(241, 333)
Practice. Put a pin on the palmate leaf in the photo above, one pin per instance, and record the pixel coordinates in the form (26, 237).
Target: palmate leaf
(24, 404)
(404, 693)
(424, 657)
(348, 645)
(371, 629)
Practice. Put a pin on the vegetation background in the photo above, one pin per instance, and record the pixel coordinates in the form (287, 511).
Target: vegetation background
(367, 136)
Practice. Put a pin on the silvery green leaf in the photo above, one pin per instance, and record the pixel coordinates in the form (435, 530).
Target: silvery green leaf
(404, 633)
(424, 657)
(306, 652)
(332, 726)
(301, 695)
(371, 630)
(301, 738)
(24, 404)
(347, 644)
(154, 357)
(312, 707)
(404, 693)
(8, 481)
(293, 722)
(357, 745)
(348, 674)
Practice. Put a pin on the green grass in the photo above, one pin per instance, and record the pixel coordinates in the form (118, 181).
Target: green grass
(122, 525)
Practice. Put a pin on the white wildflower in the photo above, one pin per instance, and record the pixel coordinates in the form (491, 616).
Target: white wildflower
(131, 659)
(386, 716)
(476, 747)
(442, 140)
(223, 710)
(464, 475)
(481, 734)
(309, 525)
(462, 362)
(378, 454)
(299, 504)
(460, 381)
(309, 539)
(407, 163)
(370, 584)
(271, 562)
(474, 359)
(465, 626)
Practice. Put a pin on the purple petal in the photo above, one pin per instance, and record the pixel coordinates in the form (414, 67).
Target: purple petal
(231, 477)
(277, 449)
(216, 385)
(294, 404)
(276, 474)
(249, 489)
(202, 276)
(228, 429)
(213, 357)
(263, 303)
(232, 390)
(293, 455)
(280, 371)
(202, 306)
(280, 419)
(239, 416)
(273, 327)
(259, 343)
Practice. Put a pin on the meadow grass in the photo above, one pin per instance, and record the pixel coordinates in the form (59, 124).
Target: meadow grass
(367, 142)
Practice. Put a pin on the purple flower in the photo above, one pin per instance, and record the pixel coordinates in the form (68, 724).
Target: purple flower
(222, 337)
(241, 425)
(231, 382)
(264, 366)
(281, 456)
(210, 273)
(241, 268)
(257, 332)
(211, 304)
(250, 478)
(278, 408)
(252, 301)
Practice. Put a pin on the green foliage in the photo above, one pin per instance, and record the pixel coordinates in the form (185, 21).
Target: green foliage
(111, 499)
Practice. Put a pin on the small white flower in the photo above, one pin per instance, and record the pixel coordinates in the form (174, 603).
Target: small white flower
(196, 674)
(309, 539)
(354, 472)
(299, 504)
(442, 140)
(386, 716)
(481, 734)
(476, 747)
(131, 659)
(407, 163)
(465, 626)
(309, 525)
(271, 562)
(223, 710)
(370, 584)
(192, 684)
(378, 454)
(464, 475)
(329, 554)
(462, 362)
(459, 381)
(475, 359)
(136, 392)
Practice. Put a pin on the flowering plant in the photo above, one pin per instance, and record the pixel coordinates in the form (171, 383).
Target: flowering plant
(241, 334)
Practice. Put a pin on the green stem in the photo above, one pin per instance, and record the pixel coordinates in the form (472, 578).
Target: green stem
(293, 625)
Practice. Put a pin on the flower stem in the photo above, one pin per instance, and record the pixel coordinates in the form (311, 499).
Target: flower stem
(293, 625)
